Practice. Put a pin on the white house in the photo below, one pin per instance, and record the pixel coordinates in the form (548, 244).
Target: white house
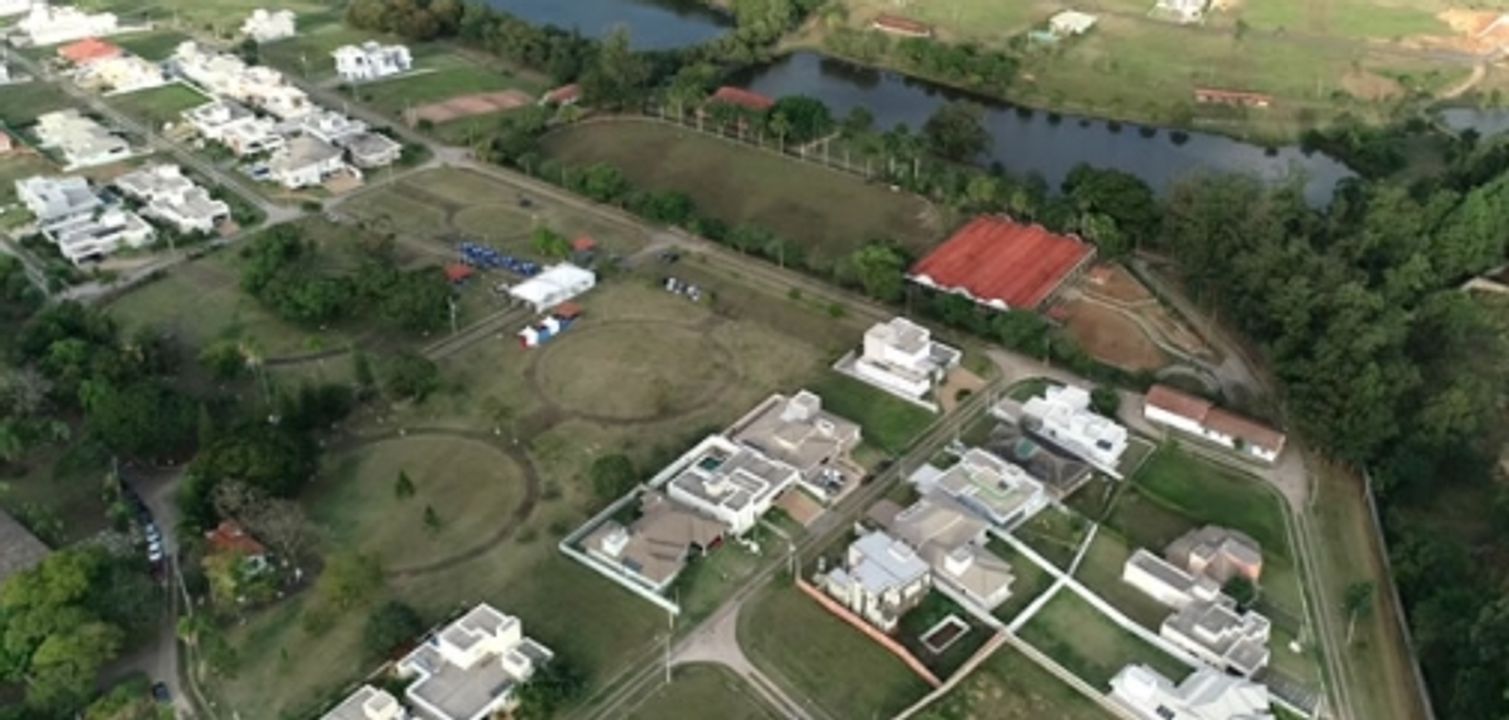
(88, 238)
(1202, 419)
(370, 61)
(1000, 492)
(557, 284)
(1166, 583)
(732, 483)
(901, 358)
(52, 24)
(1063, 416)
(368, 703)
(235, 127)
(330, 126)
(15, 7)
(80, 140)
(1205, 695)
(174, 198)
(305, 161)
(54, 199)
(471, 668)
(123, 74)
(1071, 22)
(881, 579)
(265, 27)
(1181, 11)
(372, 150)
(228, 77)
(1206, 623)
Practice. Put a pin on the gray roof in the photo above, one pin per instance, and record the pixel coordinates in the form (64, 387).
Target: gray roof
(797, 431)
(885, 563)
(19, 549)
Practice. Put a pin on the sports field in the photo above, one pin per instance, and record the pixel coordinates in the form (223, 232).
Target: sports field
(829, 213)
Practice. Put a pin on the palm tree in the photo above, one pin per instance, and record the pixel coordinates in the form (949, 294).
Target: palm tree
(781, 126)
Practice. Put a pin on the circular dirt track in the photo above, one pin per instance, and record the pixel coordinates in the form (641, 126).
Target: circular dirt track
(632, 371)
(490, 222)
(480, 488)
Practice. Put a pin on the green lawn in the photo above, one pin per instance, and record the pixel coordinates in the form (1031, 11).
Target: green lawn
(802, 646)
(1090, 645)
(707, 581)
(21, 103)
(158, 106)
(829, 214)
(18, 166)
(1209, 493)
(1031, 581)
(55, 491)
(706, 690)
(1054, 535)
(436, 78)
(887, 421)
(1359, 19)
(219, 17)
(307, 55)
(154, 45)
(1008, 686)
(1101, 573)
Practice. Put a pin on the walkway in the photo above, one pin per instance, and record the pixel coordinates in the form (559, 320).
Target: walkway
(717, 641)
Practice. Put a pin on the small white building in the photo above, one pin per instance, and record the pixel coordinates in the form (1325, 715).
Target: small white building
(1205, 695)
(368, 703)
(728, 482)
(174, 198)
(901, 358)
(999, 492)
(265, 26)
(372, 150)
(473, 667)
(1202, 419)
(47, 24)
(330, 126)
(15, 7)
(1166, 583)
(122, 74)
(1062, 416)
(881, 579)
(1070, 23)
(306, 161)
(237, 128)
(80, 140)
(370, 61)
(1183, 12)
(557, 284)
(89, 238)
(1206, 623)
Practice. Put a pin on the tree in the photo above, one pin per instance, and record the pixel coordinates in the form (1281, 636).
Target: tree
(550, 243)
(1242, 590)
(1356, 601)
(618, 75)
(805, 118)
(144, 419)
(409, 375)
(350, 579)
(613, 476)
(390, 627)
(431, 520)
(552, 685)
(223, 359)
(956, 131)
(1105, 401)
(404, 487)
(880, 269)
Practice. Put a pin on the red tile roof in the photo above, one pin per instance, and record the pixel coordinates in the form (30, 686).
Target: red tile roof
(6, 145)
(567, 311)
(88, 50)
(901, 25)
(584, 243)
(748, 99)
(564, 94)
(1178, 403)
(996, 260)
(456, 272)
(231, 537)
(1207, 414)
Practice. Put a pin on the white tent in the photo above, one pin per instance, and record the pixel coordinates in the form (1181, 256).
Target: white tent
(557, 284)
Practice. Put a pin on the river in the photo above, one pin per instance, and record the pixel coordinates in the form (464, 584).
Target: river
(652, 24)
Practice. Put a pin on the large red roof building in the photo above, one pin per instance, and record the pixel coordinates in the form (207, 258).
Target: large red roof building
(747, 99)
(1003, 264)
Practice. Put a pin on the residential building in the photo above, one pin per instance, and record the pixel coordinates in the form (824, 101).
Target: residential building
(7, 145)
(471, 668)
(797, 431)
(742, 98)
(370, 61)
(330, 126)
(1205, 695)
(80, 140)
(1181, 11)
(91, 237)
(53, 199)
(1071, 22)
(237, 128)
(174, 198)
(1002, 493)
(881, 579)
(227, 76)
(1218, 553)
(19, 549)
(89, 50)
(555, 285)
(1219, 633)
(372, 150)
(1002, 264)
(122, 74)
(1201, 418)
(15, 7)
(368, 703)
(47, 24)
(1164, 582)
(902, 26)
(653, 549)
(1062, 416)
(732, 483)
(901, 357)
(951, 539)
(265, 26)
(305, 161)
(563, 96)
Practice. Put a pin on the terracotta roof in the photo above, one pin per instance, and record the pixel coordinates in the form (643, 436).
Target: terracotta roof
(231, 537)
(747, 99)
(564, 94)
(456, 272)
(584, 243)
(901, 24)
(567, 311)
(1179, 403)
(1207, 414)
(5, 142)
(88, 50)
(996, 260)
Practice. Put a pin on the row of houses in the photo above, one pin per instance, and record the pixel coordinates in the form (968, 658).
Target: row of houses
(45, 24)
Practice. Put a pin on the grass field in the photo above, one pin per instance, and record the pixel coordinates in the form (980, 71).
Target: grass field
(1054, 535)
(627, 371)
(21, 103)
(1031, 581)
(1090, 645)
(18, 166)
(55, 491)
(1009, 686)
(1209, 493)
(801, 645)
(154, 45)
(828, 213)
(437, 77)
(218, 17)
(1101, 573)
(707, 690)
(158, 106)
(887, 422)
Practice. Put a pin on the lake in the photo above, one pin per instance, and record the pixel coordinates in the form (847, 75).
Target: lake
(652, 24)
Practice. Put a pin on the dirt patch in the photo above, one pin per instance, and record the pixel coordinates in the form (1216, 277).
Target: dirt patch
(1476, 31)
(1110, 336)
(958, 386)
(800, 506)
(463, 106)
(1115, 283)
(1365, 85)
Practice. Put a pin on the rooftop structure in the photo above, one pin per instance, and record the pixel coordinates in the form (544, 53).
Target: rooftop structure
(1181, 11)
(372, 150)
(80, 140)
(48, 24)
(1003, 264)
(330, 126)
(370, 61)
(1218, 633)
(1218, 553)
(905, 27)
(174, 198)
(122, 74)
(882, 578)
(89, 238)
(19, 549)
(1071, 22)
(1201, 418)
(232, 125)
(797, 431)
(471, 668)
(53, 199)
(14, 7)
(1062, 415)
(951, 538)
(305, 161)
(228, 76)
(557, 284)
(732, 483)
(654, 548)
(266, 26)
(740, 97)
(88, 50)
(1165, 582)
(367, 703)
(1205, 695)
(901, 357)
(1002, 493)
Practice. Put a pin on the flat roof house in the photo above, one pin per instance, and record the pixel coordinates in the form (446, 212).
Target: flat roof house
(80, 140)
(305, 161)
(370, 61)
(372, 150)
(1062, 416)
(1218, 553)
(951, 539)
(1002, 264)
(1166, 583)
(1205, 695)
(264, 26)
(557, 284)
(123, 74)
(1071, 22)
(472, 667)
(1205, 622)
(1000, 492)
(234, 126)
(732, 483)
(882, 578)
(173, 198)
(368, 703)
(89, 238)
(653, 550)
(797, 431)
(901, 358)
(1201, 418)
(52, 199)
(19, 549)
(52, 24)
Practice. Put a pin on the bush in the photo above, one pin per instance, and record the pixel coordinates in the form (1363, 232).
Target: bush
(1105, 400)
(409, 375)
(390, 627)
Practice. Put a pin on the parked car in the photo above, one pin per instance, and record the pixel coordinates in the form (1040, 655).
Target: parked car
(161, 693)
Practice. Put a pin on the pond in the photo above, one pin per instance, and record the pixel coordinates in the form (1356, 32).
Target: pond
(1486, 121)
(652, 24)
